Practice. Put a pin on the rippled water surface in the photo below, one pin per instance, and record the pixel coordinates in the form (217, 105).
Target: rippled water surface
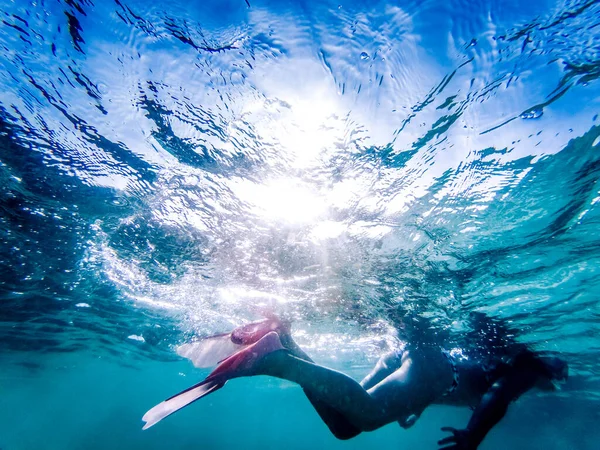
(171, 169)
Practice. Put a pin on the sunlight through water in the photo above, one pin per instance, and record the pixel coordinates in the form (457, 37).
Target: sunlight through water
(370, 171)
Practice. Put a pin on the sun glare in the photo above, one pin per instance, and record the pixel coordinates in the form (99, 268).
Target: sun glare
(286, 200)
(306, 124)
(314, 129)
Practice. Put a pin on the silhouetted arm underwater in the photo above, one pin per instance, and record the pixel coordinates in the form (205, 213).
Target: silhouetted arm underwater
(490, 411)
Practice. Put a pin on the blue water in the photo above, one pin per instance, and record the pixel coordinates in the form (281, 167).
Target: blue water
(373, 171)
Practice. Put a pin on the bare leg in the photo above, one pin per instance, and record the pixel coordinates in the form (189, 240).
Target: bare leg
(387, 364)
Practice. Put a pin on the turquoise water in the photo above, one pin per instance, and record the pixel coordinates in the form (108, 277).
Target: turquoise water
(373, 171)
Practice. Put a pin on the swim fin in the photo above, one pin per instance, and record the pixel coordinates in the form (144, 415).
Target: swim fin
(234, 366)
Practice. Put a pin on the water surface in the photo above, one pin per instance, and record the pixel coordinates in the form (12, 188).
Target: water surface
(172, 169)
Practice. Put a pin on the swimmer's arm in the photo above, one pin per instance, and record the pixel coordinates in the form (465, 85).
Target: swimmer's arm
(490, 411)
(494, 404)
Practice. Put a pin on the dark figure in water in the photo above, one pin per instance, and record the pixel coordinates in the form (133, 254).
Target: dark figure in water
(398, 389)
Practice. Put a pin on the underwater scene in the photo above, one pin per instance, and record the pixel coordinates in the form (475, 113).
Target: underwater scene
(378, 176)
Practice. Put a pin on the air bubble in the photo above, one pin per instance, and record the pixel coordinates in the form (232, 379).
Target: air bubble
(364, 56)
(534, 113)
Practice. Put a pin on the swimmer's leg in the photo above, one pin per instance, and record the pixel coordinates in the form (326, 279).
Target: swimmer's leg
(337, 423)
(387, 364)
(396, 396)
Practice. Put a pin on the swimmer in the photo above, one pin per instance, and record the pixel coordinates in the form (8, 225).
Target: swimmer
(399, 388)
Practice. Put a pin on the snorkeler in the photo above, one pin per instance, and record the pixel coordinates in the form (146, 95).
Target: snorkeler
(399, 388)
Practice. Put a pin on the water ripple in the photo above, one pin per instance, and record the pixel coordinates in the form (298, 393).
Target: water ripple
(186, 169)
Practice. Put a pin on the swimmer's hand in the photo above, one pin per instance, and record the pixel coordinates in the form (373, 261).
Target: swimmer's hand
(460, 440)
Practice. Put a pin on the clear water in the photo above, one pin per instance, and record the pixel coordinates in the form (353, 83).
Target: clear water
(178, 168)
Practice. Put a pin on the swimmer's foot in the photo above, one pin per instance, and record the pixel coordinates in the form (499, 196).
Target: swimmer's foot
(246, 361)
(210, 351)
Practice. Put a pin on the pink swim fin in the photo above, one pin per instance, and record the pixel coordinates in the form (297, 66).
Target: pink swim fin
(241, 363)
